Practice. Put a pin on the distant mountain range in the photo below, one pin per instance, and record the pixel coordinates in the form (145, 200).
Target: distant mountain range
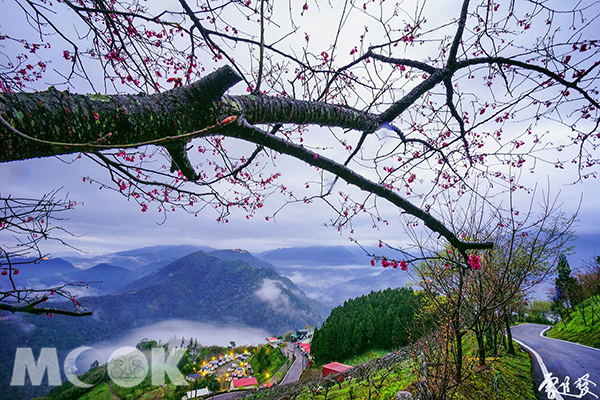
(330, 274)
(108, 273)
(197, 287)
(36, 274)
(40, 274)
(142, 261)
(242, 255)
(203, 288)
(108, 278)
(334, 274)
(313, 255)
(387, 278)
(324, 273)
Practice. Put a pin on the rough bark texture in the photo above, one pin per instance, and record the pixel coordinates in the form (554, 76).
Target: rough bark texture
(84, 120)
(480, 347)
(63, 117)
(265, 109)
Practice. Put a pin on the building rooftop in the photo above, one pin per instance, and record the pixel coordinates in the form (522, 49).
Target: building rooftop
(242, 382)
(335, 367)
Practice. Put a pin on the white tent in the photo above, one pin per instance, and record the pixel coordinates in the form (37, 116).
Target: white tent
(196, 393)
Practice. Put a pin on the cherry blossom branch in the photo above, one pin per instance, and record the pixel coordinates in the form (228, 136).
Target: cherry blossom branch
(31, 307)
(246, 131)
(458, 118)
(531, 67)
(29, 221)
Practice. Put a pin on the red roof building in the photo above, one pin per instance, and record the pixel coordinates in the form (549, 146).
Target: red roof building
(306, 347)
(334, 368)
(243, 382)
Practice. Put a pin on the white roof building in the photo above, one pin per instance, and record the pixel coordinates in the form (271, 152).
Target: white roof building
(196, 393)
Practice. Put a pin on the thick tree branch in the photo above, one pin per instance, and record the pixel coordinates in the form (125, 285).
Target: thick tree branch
(62, 117)
(273, 110)
(401, 105)
(122, 120)
(180, 160)
(32, 309)
(402, 61)
(250, 133)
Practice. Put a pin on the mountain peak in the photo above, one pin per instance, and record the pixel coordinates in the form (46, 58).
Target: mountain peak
(208, 289)
(242, 255)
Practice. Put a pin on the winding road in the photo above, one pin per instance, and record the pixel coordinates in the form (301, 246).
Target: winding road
(575, 368)
(293, 375)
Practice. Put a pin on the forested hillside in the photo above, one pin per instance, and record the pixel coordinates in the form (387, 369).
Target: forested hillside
(197, 287)
(385, 320)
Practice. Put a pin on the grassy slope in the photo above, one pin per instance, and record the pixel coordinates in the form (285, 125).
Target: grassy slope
(514, 380)
(100, 392)
(574, 330)
(512, 376)
(276, 360)
(398, 380)
(363, 358)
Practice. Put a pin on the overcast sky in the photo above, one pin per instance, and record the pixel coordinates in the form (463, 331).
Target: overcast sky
(107, 222)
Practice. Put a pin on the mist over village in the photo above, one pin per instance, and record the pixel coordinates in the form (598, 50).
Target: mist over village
(299, 200)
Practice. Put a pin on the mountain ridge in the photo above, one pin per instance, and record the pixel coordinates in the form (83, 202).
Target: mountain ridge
(310, 255)
(108, 278)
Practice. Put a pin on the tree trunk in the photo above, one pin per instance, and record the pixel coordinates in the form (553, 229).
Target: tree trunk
(458, 358)
(480, 346)
(511, 347)
(582, 309)
(494, 335)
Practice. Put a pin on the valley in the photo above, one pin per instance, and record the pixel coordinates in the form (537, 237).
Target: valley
(185, 291)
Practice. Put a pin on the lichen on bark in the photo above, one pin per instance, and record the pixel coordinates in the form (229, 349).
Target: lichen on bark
(63, 122)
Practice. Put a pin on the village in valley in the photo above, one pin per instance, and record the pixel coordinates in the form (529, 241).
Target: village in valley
(236, 369)
(232, 367)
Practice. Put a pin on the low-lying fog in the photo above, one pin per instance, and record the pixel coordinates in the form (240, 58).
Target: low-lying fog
(332, 285)
(206, 334)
